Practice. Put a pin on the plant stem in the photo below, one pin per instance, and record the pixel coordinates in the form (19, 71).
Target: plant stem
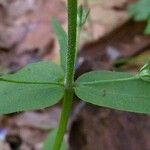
(72, 34)
(66, 110)
(69, 74)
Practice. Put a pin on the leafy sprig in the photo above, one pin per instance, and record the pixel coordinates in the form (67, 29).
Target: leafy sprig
(43, 84)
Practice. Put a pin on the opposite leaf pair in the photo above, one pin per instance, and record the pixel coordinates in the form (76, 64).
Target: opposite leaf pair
(40, 85)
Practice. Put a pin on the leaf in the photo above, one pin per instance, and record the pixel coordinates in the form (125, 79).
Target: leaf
(115, 90)
(36, 86)
(63, 41)
(49, 143)
(82, 15)
(45, 72)
(147, 29)
(140, 11)
(16, 97)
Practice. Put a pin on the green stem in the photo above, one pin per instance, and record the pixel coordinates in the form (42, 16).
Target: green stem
(72, 34)
(66, 110)
(69, 74)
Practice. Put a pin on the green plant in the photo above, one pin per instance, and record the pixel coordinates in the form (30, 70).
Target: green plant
(140, 11)
(44, 84)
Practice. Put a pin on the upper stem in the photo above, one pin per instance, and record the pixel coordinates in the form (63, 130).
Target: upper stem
(72, 34)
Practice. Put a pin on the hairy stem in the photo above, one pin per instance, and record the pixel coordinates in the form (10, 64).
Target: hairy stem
(69, 74)
(72, 34)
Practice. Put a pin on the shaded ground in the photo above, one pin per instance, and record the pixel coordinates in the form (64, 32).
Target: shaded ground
(106, 129)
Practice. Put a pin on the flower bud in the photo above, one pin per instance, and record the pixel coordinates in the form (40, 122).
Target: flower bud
(82, 16)
(145, 72)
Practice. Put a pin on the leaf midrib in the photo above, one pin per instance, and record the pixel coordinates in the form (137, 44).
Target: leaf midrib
(30, 82)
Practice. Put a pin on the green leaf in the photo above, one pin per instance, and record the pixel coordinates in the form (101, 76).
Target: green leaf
(147, 29)
(121, 91)
(82, 15)
(36, 86)
(16, 97)
(140, 11)
(41, 72)
(63, 43)
(49, 143)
